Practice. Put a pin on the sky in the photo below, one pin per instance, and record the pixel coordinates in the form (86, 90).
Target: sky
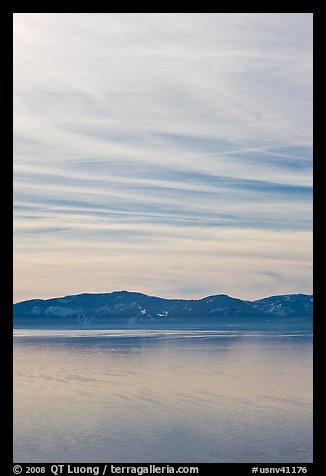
(163, 153)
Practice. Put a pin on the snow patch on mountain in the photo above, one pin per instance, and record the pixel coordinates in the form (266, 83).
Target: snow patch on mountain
(60, 311)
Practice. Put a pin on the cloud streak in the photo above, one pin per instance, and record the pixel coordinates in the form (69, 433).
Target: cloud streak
(163, 141)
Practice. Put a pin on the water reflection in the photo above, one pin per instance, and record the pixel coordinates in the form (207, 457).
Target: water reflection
(178, 396)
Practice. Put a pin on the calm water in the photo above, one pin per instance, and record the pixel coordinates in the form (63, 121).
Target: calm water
(162, 396)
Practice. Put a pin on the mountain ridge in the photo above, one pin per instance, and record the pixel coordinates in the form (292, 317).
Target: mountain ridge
(125, 309)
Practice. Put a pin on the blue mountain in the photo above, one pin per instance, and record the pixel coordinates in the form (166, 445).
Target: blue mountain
(122, 309)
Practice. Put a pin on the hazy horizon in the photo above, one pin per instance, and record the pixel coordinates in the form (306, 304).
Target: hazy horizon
(168, 154)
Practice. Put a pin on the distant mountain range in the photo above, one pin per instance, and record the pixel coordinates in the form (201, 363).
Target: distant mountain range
(123, 309)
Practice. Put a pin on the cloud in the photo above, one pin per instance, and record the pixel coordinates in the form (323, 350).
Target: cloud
(140, 130)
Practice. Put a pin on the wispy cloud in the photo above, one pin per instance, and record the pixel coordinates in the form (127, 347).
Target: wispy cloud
(160, 152)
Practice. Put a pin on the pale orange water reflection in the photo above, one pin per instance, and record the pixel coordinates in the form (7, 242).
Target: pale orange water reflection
(164, 396)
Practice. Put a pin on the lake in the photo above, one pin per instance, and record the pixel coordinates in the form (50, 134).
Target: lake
(162, 396)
